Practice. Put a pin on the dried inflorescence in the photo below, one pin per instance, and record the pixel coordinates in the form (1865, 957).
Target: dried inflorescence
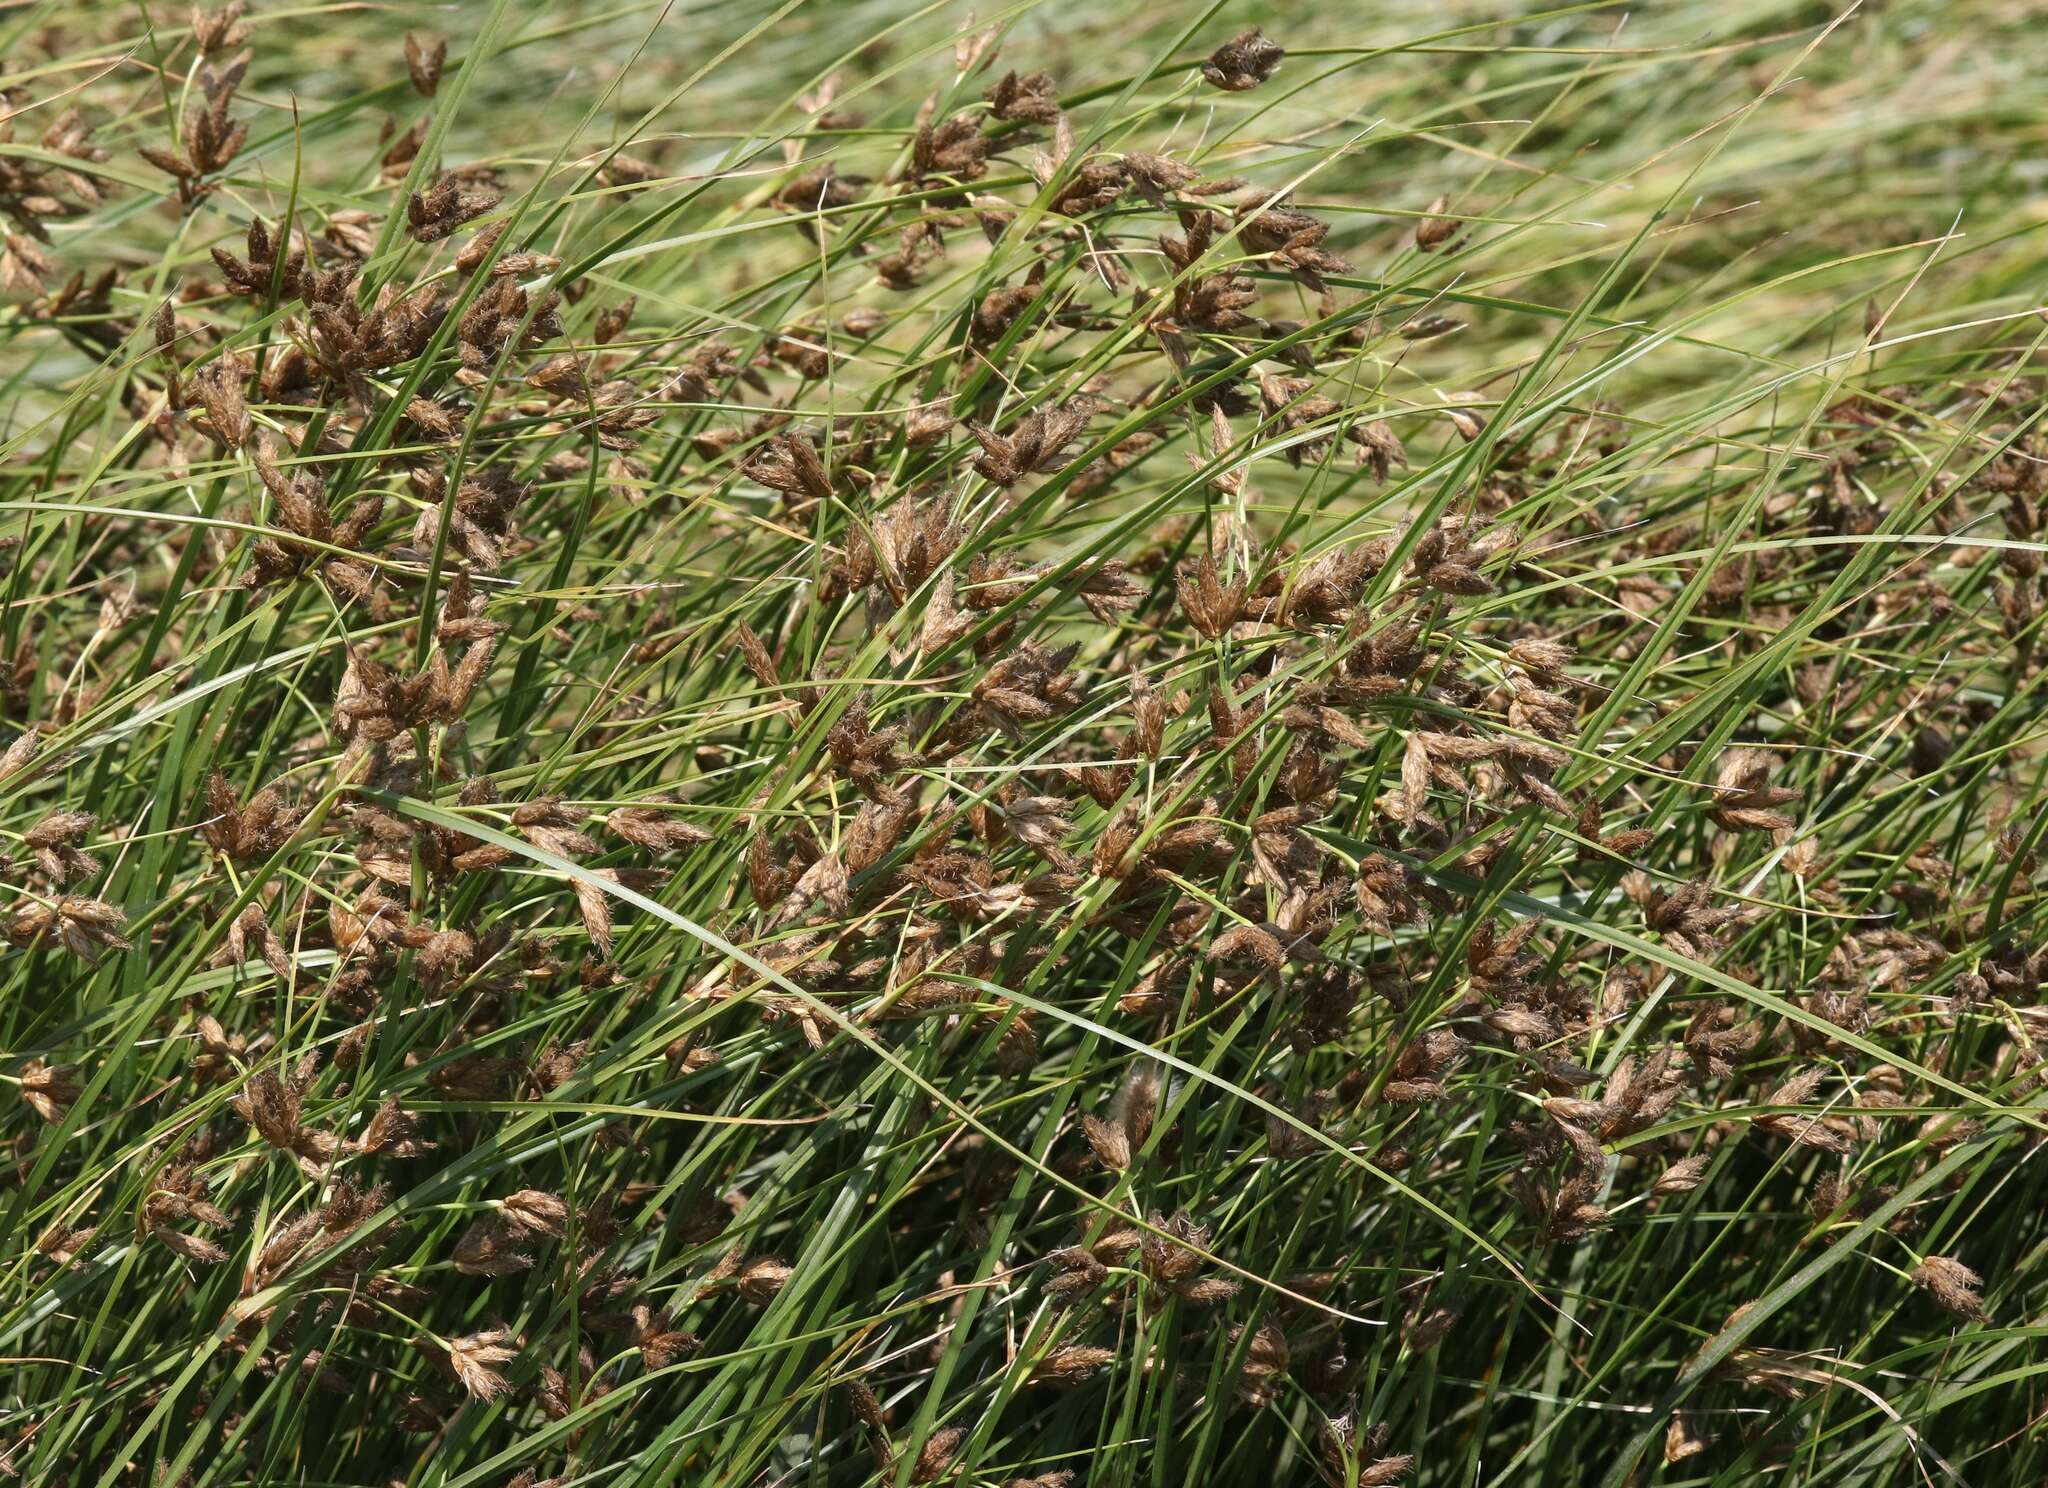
(1953, 1286)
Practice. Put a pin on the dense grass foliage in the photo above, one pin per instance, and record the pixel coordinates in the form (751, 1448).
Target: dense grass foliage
(840, 743)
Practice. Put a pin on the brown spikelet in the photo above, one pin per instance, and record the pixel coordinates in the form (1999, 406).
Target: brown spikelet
(1953, 1286)
(934, 1461)
(593, 905)
(216, 30)
(1433, 229)
(1029, 99)
(490, 1247)
(1064, 1368)
(1036, 444)
(444, 208)
(48, 1089)
(424, 59)
(64, 1244)
(531, 1212)
(473, 1360)
(657, 831)
(1684, 1438)
(761, 1278)
(1683, 1176)
(1243, 63)
(789, 463)
(756, 655)
(195, 1248)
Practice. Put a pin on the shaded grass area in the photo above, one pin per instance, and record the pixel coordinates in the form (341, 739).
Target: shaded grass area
(833, 744)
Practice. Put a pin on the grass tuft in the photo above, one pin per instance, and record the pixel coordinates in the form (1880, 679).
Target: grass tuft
(850, 744)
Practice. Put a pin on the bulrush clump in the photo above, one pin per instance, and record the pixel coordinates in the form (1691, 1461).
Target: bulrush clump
(1289, 237)
(302, 509)
(177, 1200)
(874, 749)
(1346, 1456)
